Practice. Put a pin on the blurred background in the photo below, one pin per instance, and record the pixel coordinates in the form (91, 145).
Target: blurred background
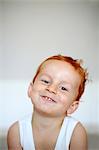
(30, 31)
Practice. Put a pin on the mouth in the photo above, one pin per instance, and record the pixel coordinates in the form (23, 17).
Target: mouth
(48, 99)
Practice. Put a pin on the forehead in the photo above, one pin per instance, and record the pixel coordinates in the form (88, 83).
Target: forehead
(60, 69)
(56, 64)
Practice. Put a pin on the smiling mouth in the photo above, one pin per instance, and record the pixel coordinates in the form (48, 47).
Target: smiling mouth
(48, 99)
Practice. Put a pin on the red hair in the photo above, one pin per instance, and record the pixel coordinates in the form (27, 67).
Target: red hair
(76, 64)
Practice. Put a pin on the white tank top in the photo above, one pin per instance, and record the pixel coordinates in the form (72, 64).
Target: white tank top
(63, 140)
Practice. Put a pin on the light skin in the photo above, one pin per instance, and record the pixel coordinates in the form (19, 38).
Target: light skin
(53, 95)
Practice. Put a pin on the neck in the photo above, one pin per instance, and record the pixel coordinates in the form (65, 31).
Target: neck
(43, 122)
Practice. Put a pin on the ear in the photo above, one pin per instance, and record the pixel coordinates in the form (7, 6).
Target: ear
(30, 89)
(73, 107)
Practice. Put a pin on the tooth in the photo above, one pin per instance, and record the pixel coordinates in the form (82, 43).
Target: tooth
(49, 99)
(46, 98)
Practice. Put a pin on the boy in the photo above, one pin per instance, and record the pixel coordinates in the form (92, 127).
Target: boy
(55, 93)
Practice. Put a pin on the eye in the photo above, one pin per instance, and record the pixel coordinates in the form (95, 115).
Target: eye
(64, 89)
(45, 81)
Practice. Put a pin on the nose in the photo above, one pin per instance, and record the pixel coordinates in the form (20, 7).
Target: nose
(52, 88)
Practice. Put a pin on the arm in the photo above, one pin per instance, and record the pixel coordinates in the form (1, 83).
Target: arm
(13, 138)
(79, 138)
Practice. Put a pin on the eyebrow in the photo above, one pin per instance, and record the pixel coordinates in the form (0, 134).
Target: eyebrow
(67, 83)
(44, 74)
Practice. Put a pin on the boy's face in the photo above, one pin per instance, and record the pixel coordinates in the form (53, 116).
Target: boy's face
(55, 88)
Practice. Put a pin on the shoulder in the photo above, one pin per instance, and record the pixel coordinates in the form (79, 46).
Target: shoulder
(13, 137)
(79, 138)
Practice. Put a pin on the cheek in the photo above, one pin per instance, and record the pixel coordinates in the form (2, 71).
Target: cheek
(37, 85)
(66, 100)
(63, 99)
(34, 93)
(74, 95)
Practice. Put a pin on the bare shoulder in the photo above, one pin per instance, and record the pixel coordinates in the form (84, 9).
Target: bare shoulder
(13, 137)
(79, 138)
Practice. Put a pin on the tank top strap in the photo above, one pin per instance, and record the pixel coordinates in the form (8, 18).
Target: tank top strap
(26, 136)
(65, 134)
(72, 122)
